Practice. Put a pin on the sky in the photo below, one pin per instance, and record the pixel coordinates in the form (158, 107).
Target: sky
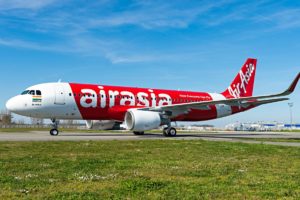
(189, 45)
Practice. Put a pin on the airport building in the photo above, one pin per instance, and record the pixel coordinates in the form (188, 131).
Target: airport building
(261, 126)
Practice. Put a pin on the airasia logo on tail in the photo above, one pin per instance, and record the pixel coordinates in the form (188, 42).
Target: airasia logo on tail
(241, 87)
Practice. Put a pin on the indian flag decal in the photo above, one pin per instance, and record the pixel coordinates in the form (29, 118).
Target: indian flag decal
(37, 98)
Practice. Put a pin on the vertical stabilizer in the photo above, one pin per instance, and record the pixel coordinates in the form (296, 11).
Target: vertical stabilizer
(243, 83)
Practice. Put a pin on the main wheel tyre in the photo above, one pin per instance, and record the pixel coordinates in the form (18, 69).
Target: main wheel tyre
(172, 132)
(165, 132)
(54, 132)
(138, 132)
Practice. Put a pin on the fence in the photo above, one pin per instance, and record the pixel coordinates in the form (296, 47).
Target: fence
(74, 126)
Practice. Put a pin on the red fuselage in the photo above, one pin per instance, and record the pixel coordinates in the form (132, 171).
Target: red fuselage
(99, 102)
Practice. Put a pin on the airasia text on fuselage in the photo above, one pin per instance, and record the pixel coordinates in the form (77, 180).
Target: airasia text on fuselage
(108, 98)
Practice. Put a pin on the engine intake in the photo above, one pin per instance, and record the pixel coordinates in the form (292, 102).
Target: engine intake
(139, 120)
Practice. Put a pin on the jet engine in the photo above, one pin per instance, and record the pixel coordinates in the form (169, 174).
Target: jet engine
(100, 124)
(139, 120)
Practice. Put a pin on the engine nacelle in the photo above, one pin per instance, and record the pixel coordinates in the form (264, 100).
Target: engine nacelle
(100, 124)
(139, 120)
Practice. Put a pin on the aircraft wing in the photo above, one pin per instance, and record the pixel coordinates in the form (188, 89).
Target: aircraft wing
(241, 102)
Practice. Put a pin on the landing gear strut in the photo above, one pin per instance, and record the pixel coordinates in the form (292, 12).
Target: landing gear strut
(54, 131)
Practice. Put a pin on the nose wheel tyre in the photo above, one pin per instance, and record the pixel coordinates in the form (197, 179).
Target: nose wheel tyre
(54, 132)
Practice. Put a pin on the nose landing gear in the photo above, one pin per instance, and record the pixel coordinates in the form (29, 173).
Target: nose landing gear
(54, 131)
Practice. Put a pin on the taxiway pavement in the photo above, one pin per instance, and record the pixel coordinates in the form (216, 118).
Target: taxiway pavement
(245, 137)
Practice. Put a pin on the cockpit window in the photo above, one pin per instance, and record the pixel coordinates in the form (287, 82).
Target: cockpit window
(25, 92)
(32, 92)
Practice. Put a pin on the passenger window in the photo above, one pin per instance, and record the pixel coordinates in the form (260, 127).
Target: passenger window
(38, 92)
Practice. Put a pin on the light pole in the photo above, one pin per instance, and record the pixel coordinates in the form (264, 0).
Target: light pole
(291, 114)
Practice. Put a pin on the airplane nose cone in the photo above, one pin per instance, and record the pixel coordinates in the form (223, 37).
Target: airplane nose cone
(9, 105)
(18, 105)
(13, 104)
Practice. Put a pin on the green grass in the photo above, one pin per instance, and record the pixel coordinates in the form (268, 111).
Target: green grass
(273, 139)
(156, 169)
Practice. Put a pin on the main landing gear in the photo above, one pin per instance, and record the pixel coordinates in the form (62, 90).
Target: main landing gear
(54, 131)
(169, 131)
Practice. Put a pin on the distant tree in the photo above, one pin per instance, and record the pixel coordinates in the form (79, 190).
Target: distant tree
(5, 117)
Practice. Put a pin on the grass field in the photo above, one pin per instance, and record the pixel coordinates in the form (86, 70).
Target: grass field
(274, 139)
(163, 169)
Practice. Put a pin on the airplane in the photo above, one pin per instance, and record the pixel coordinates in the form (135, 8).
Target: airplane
(141, 109)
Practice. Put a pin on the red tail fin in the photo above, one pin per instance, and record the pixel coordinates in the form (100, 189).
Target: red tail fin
(242, 85)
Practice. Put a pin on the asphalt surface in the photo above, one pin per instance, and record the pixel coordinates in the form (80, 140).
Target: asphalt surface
(217, 136)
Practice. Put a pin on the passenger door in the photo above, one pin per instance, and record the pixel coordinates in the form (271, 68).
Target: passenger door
(59, 94)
